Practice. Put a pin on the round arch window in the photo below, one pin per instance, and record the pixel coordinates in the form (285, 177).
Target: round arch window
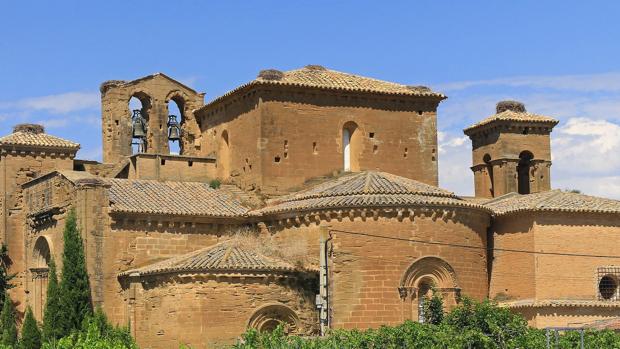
(608, 287)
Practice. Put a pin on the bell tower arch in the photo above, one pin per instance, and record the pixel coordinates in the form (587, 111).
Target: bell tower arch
(511, 151)
(152, 125)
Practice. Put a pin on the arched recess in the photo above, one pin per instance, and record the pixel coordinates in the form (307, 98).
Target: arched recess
(223, 156)
(176, 103)
(141, 102)
(424, 276)
(523, 172)
(351, 146)
(269, 316)
(41, 256)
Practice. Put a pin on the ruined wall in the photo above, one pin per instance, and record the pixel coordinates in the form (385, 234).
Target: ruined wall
(154, 92)
(206, 311)
(291, 135)
(366, 271)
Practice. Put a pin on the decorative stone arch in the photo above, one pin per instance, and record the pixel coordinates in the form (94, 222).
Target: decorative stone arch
(181, 100)
(351, 136)
(423, 276)
(268, 317)
(39, 264)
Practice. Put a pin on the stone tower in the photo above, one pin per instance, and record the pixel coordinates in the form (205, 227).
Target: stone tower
(511, 151)
(155, 93)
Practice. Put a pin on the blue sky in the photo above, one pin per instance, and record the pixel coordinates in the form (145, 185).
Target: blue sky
(561, 58)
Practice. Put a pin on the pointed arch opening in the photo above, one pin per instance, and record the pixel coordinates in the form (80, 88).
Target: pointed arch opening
(176, 122)
(139, 106)
(351, 147)
(523, 172)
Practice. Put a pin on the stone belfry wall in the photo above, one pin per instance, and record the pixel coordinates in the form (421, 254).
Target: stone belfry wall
(155, 92)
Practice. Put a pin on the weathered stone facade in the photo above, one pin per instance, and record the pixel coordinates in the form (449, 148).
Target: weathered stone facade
(326, 185)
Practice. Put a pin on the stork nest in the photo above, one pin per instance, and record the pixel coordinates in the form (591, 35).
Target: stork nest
(29, 128)
(418, 88)
(271, 74)
(515, 106)
(106, 85)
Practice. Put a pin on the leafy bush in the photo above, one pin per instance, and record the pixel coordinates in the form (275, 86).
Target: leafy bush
(215, 183)
(480, 325)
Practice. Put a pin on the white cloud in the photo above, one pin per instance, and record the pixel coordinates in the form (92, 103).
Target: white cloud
(59, 104)
(609, 82)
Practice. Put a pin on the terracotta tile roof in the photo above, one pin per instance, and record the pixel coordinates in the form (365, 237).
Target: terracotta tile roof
(510, 115)
(320, 77)
(366, 189)
(532, 303)
(223, 257)
(553, 200)
(30, 139)
(175, 198)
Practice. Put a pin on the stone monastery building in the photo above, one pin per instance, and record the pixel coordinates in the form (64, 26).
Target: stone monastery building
(328, 214)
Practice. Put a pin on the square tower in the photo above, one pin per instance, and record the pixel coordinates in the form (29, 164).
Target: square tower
(511, 151)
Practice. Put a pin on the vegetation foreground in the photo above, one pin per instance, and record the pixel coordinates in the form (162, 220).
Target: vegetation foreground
(69, 322)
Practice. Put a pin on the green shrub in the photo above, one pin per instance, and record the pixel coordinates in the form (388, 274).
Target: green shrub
(215, 183)
(31, 335)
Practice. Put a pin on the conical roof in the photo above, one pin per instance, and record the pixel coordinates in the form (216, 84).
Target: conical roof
(366, 189)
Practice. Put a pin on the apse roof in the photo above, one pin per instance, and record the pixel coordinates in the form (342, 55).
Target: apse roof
(321, 77)
(224, 257)
(175, 198)
(35, 136)
(553, 200)
(366, 189)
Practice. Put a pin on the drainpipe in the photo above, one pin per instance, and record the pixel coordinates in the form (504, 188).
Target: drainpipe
(322, 301)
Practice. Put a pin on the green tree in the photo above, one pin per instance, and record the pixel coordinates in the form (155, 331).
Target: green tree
(75, 302)
(434, 309)
(5, 277)
(51, 326)
(7, 323)
(31, 335)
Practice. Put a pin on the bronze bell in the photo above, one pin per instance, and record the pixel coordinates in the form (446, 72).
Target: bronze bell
(138, 125)
(174, 130)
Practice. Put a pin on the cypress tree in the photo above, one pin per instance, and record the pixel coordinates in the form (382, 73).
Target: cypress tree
(31, 336)
(51, 327)
(5, 277)
(75, 302)
(7, 321)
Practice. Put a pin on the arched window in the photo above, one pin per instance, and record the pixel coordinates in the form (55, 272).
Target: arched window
(490, 184)
(351, 146)
(523, 172)
(139, 108)
(418, 282)
(268, 317)
(223, 156)
(176, 119)
(41, 255)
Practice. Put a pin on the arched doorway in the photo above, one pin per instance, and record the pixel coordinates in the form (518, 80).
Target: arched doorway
(523, 172)
(39, 269)
(351, 147)
(423, 277)
(269, 317)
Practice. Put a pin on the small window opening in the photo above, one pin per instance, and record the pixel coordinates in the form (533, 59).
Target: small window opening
(608, 287)
(276, 159)
(190, 163)
(286, 155)
(487, 161)
(371, 135)
(315, 150)
(163, 161)
(432, 158)
(523, 172)
(405, 153)
(375, 149)
(526, 130)
(420, 112)
(116, 122)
